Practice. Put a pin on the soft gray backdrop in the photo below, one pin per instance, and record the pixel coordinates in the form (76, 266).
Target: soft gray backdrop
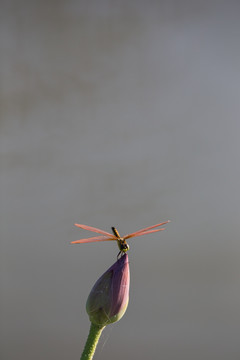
(120, 113)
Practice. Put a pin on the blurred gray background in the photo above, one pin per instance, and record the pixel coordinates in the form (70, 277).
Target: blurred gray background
(120, 113)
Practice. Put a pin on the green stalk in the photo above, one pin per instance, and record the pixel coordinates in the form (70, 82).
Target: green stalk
(92, 341)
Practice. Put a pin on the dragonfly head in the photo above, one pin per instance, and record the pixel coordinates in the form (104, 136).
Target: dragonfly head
(123, 245)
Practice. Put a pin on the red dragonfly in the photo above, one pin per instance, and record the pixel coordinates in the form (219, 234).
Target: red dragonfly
(121, 241)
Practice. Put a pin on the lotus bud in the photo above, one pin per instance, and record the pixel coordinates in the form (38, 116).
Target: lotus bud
(108, 299)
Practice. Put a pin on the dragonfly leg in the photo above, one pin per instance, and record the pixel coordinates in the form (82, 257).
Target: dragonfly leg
(119, 254)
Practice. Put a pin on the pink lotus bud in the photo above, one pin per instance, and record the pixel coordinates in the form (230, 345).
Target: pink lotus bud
(108, 299)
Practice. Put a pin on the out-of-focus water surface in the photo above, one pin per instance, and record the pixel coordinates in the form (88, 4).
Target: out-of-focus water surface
(120, 114)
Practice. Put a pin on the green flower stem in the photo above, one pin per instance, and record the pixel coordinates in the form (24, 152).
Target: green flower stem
(92, 341)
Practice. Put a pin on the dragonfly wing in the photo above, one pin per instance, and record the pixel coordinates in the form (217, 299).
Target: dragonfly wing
(142, 233)
(90, 228)
(94, 239)
(145, 230)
